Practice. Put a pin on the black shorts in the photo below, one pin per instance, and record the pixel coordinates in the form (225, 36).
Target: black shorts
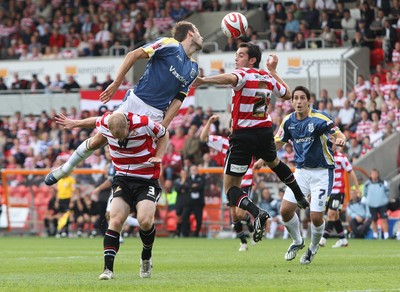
(335, 201)
(133, 190)
(382, 211)
(246, 144)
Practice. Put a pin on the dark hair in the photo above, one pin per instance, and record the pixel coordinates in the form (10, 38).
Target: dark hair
(181, 29)
(253, 51)
(302, 88)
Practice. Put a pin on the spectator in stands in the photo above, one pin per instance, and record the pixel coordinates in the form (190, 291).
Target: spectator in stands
(376, 194)
(346, 115)
(192, 147)
(358, 41)
(292, 26)
(19, 83)
(312, 16)
(329, 36)
(389, 35)
(70, 85)
(178, 139)
(171, 162)
(106, 83)
(280, 15)
(338, 101)
(195, 204)
(366, 34)
(94, 84)
(284, 44)
(353, 149)
(2, 84)
(274, 35)
(359, 216)
(231, 45)
(367, 14)
(325, 5)
(56, 39)
(377, 24)
(325, 20)
(35, 84)
(299, 41)
(361, 84)
(178, 12)
(348, 25)
(375, 135)
(366, 146)
(152, 31)
(58, 83)
(51, 216)
(395, 9)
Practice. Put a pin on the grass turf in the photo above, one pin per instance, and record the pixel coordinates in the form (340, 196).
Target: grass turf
(49, 264)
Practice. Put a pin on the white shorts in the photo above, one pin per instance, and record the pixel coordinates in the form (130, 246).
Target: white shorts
(137, 106)
(316, 182)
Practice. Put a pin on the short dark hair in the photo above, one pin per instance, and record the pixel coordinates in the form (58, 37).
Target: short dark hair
(181, 29)
(302, 88)
(253, 51)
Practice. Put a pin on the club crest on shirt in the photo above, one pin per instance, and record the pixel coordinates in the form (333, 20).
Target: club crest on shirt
(311, 127)
(192, 73)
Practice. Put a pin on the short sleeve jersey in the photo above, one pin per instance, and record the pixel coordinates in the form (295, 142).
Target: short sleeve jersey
(130, 158)
(168, 72)
(310, 138)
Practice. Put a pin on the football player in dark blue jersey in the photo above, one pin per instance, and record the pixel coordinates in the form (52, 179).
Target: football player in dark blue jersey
(159, 93)
(310, 131)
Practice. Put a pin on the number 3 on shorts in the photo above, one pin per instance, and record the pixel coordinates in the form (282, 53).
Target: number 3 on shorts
(152, 192)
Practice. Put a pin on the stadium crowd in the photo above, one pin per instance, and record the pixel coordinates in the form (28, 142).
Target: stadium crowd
(32, 30)
(44, 29)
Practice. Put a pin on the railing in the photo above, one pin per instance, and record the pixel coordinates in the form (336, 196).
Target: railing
(350, 72)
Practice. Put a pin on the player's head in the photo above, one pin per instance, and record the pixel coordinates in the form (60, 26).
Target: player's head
(119, 126)
(248, 55)
(301, 99)
(184, 29)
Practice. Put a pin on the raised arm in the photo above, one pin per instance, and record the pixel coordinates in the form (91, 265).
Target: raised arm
(129, 60)
(205, 131)
(272, 62)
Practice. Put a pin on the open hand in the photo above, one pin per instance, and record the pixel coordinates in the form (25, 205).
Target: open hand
(109, 93)
(67, 123)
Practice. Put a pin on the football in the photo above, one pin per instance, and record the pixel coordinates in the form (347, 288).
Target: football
(234, 25)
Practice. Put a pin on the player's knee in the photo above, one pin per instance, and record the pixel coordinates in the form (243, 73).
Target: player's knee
(146, 222)
(234, 194)
(116, 223)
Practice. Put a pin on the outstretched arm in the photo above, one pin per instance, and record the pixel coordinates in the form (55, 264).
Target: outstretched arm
(226, 78)
(69, 124)
(206, 129)
(129, 60)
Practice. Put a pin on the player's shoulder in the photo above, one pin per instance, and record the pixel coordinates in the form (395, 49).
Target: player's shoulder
(317, 114)
(289, 118)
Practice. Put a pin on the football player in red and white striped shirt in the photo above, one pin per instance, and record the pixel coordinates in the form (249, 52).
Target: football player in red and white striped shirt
(136, 159)
(252, 127)
(335, 200)
(221, 144)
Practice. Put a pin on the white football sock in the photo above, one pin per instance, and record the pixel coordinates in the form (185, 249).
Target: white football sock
(293, 227)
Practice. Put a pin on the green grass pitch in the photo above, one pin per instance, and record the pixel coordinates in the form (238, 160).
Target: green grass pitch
(74, 264)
